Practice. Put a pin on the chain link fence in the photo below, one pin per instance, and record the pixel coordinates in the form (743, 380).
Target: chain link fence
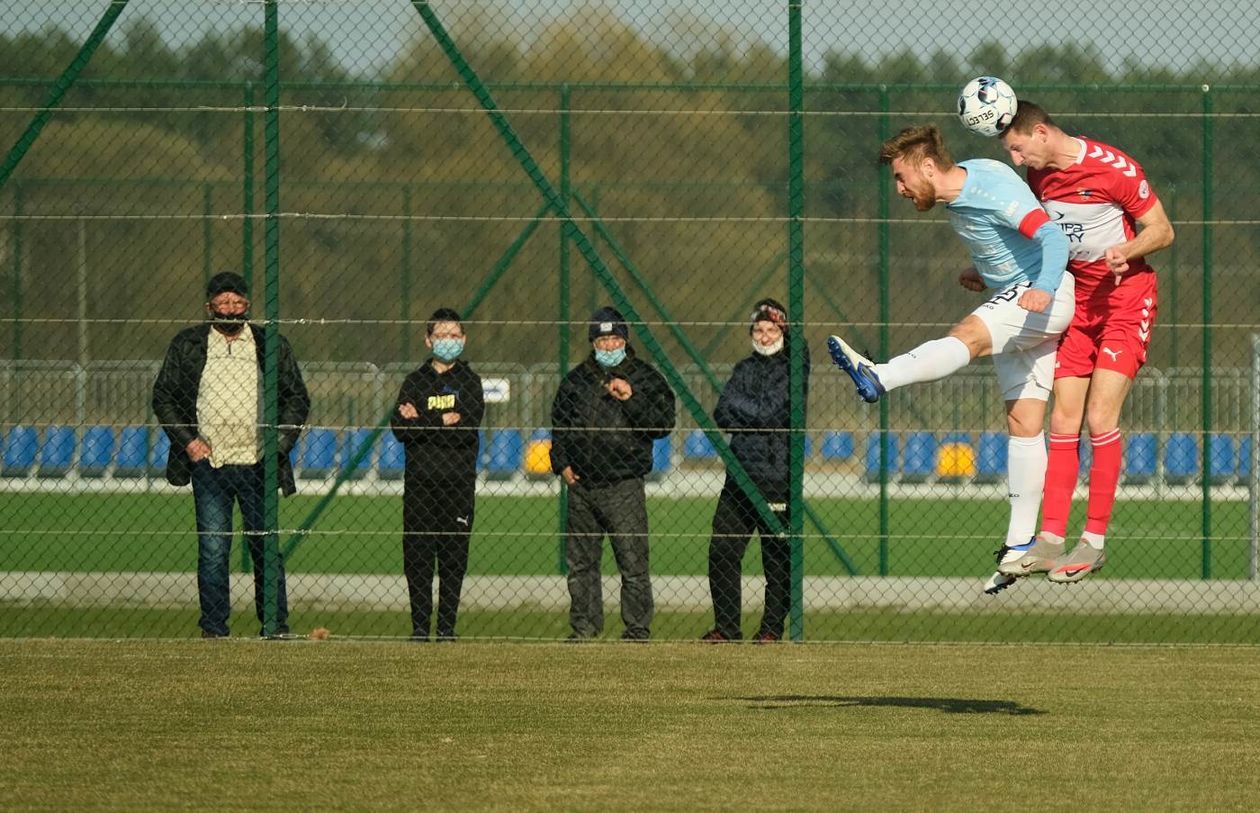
(361, 165)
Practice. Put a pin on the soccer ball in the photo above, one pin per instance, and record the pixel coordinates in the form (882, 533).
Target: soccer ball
(986, 105)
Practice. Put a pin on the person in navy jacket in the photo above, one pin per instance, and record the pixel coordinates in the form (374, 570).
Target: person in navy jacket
(755, 408)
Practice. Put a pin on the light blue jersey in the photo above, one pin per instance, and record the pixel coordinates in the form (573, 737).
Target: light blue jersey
(1000, 220)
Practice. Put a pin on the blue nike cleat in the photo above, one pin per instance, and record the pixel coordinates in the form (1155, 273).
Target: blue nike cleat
(859, 367)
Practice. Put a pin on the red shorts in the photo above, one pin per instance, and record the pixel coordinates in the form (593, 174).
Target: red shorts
(1111, 329)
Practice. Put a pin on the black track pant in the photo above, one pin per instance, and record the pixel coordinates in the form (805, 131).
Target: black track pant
(437, 523)
(734, 522)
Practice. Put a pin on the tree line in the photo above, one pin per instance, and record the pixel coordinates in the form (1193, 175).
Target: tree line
(409, 197)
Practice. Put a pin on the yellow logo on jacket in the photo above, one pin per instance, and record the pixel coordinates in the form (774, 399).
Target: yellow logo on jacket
(437, 402)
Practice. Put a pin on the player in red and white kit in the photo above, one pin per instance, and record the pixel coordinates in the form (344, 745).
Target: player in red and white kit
(1102, 200)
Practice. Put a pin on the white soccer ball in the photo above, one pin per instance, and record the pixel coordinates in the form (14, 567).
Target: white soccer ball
(986, 105)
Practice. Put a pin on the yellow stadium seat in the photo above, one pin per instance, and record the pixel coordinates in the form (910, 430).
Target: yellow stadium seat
(538, 458)
(956, 461)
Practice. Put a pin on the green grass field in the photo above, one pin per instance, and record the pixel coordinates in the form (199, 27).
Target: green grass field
(342, 725)
(518, 536)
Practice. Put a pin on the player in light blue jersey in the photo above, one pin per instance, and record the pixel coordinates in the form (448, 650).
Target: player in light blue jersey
(1017, 255)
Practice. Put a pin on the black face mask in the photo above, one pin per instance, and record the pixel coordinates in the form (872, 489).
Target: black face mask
(229, 324)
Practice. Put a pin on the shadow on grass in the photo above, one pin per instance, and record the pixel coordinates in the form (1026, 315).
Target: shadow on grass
(949, 705)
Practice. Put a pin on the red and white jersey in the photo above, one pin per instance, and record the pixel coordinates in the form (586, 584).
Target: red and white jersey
(1096, 202)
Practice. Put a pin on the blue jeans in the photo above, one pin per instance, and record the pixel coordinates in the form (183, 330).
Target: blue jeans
(214, 492)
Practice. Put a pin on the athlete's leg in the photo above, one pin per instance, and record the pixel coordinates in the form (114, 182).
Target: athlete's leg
(938, 358)
(927, 362)
(1026, 466)
(1063, 459)
(1026, 378)
(1107, 392)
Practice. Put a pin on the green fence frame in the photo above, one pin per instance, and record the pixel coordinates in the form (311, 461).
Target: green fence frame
(556, 204)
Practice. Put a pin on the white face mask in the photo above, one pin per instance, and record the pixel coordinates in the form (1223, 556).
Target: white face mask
(767, 349)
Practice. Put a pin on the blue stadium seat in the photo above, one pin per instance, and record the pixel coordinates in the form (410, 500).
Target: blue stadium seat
(133, 452)
(355, 440)
(1221, 458)
(505, 454)
(317, 452)
(56, 454)
(837, 446)
(1181, 458)
(919, 460)
(890, 450)
(97, 451)
(696, 446)
(393, 458)
(482, 450)
(1141, 457)
(21, 447)
(159, 450)
(991, 454)
(1244, 460)
(661, 454)
(956, 437)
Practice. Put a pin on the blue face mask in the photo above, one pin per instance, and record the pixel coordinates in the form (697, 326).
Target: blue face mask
(610, 358)
(447, 349)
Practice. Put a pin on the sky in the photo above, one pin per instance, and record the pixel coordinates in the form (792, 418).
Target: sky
(366, 34)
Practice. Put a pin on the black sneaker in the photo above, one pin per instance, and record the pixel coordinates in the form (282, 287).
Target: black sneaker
(637, 636)
(716, 636)
(207, 634)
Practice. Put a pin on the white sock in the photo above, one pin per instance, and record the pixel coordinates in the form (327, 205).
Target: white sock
(1094, 540)
(1025, 479)
(927, 362)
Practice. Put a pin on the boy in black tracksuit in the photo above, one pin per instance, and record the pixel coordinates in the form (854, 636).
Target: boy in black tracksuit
(607, 412)
(437, 417)
(755, 408)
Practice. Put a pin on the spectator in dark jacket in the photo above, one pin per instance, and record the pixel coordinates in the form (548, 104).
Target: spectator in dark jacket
(208, 398)
(755, 408)
(439, 411)
(606, 414)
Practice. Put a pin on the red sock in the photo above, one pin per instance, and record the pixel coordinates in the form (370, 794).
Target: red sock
(1062, 461)
(1104, 474)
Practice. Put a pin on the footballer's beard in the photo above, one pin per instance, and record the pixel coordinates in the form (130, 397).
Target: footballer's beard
(924, 197)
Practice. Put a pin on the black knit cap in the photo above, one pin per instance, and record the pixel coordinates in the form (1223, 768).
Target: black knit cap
(442, 315)
(769, 310)
(224, 282)
(607, 321)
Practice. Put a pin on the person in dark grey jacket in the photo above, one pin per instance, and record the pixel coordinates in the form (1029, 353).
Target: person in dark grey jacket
(605, 416)
(755, 408)
(439, 410)
(208, 399)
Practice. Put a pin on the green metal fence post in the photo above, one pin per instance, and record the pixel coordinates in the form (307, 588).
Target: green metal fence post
(404, 272)
(796, 306)
(562, 354)
(247, 189)
(884, 316)
(1206, 385)
(271, 351)
(207, 233)
(15, 304)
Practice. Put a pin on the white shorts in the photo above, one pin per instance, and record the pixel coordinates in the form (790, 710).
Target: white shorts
(1024, 342)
